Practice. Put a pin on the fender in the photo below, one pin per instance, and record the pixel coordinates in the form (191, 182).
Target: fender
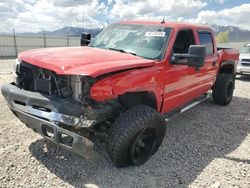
(149, 79)
(228, 67)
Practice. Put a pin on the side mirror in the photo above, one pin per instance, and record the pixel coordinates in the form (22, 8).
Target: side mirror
(85, 39)
(197, 54)
(195, 57)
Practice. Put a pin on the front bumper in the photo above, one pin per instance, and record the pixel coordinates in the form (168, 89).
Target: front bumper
(243, 68)
(78, 144)
(64, 111)
(45, 119)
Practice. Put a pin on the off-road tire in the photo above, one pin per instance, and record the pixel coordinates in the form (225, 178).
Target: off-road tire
(223, 89)
(126, 128)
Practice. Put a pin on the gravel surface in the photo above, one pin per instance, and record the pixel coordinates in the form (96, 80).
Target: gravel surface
(208, 146)
(6, 66)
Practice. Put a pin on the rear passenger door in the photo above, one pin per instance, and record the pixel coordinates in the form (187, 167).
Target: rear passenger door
(208, 71)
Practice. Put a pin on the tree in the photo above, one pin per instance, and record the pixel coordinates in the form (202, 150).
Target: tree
(222, 37)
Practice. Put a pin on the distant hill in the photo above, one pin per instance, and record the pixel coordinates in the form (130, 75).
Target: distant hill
(73, 31)
(66, 31)
(235, 34)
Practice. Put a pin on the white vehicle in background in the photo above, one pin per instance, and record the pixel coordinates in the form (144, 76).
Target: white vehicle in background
(244, 61)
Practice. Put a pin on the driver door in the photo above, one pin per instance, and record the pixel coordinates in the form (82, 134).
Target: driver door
(182, 81)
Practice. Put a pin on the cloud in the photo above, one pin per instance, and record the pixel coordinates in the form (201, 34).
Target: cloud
(70, 3)
(125, 9)
(236, 16)
(110, 2)
(185, 10)
(35, 15)
(219, 1)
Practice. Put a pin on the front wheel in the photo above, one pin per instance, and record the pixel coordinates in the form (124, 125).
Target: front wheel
(135, 136)
(223, 89)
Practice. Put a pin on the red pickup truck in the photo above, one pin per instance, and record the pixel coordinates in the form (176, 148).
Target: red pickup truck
(123, 85)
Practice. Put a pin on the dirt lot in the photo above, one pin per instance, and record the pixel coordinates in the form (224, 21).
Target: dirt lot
(208, 146)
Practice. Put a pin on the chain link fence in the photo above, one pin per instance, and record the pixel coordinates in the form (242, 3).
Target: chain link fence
(11, 45)
(237, 45)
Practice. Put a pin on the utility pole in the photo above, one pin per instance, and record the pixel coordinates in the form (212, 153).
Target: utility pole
(67, 38)
(44, 38)
(15, 43)
(83, 17)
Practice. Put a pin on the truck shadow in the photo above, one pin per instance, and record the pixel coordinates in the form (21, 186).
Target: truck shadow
(193, 140)
(243, 77)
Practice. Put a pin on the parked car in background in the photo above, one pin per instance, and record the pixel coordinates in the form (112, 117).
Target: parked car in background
(244, 62)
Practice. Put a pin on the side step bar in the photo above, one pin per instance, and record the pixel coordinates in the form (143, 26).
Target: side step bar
(186, 107)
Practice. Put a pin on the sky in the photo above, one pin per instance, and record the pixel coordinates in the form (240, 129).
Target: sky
(37, 15)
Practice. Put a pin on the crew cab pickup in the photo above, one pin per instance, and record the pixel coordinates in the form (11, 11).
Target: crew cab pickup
(123, 85)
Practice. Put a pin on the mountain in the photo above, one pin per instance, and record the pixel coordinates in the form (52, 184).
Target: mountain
(73, 31)
(66, 31)
(235, 34)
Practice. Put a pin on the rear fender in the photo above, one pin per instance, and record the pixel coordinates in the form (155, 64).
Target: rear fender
(228, 67)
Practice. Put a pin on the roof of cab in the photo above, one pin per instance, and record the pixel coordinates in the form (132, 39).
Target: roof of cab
(167, 24)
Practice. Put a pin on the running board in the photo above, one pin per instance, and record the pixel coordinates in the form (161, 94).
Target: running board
(186, 107)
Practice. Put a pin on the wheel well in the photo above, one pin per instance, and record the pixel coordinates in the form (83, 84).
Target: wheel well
(132, 99)
(227, 68)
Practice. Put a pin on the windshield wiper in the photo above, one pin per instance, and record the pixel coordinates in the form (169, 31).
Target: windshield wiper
(123, 51)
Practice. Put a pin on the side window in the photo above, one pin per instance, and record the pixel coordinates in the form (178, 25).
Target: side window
(184, 39)
(207, 40)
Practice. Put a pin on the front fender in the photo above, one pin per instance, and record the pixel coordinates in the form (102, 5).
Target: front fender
(137, 80)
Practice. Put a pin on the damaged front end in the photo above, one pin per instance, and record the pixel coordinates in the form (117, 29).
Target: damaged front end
(57, 106)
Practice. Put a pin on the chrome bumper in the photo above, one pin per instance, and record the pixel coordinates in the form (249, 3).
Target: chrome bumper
(243, 69)
(78, 144)
(43, 115)
(64, 111)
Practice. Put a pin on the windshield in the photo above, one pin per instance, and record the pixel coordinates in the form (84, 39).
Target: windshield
(245, 50)
(142, 40)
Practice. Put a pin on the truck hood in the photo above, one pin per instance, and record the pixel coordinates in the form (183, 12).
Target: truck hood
(83, 60)
(244, 56)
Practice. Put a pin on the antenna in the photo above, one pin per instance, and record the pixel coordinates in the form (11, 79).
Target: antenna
(83, 17)
(163, 20)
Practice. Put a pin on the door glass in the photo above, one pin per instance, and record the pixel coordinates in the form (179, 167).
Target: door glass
(184, 39)
(206, 39)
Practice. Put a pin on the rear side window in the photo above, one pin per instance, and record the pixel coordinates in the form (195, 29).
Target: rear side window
(207, 40)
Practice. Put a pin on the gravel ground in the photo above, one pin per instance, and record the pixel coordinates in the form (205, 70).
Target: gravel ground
(208, 146)
(6, 66)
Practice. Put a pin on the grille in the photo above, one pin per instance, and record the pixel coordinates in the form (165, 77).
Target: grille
(246, 60)
(36, 79)
(246, 64)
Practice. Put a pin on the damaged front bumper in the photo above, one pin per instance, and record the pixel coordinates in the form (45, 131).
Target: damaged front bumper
(77, 144)
(44, 114)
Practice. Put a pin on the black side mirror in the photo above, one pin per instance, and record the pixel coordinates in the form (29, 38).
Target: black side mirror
(85, 39)
(195, 57)
(197, 54)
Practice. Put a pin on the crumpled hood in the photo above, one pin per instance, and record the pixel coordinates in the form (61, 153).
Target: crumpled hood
(83, 60)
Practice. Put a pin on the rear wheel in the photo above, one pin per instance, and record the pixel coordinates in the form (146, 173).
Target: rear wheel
(135, 136)
(223, 89)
